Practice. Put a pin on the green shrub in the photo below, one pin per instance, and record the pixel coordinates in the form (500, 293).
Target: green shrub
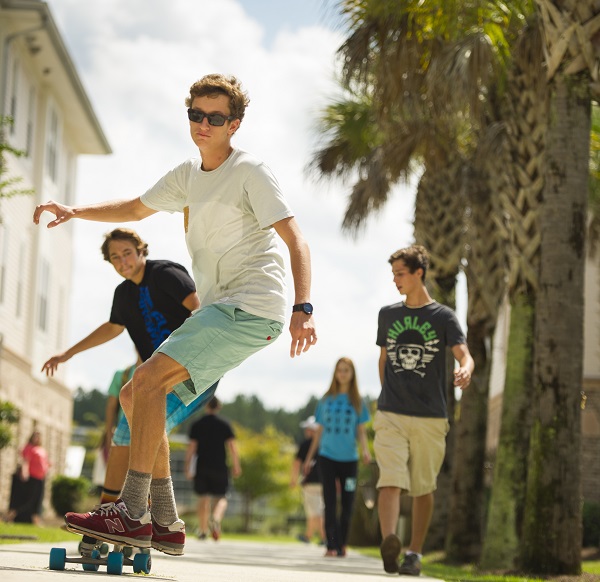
(591, 524)
(9, 415)
(68, 493)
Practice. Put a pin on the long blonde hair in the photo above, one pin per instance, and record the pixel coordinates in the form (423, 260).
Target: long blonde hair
(353, 394)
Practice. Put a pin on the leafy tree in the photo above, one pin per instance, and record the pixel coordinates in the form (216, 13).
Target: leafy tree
(9, 415)
(431, 71)
(249, 411)
(552, 520)
(89, 407)
(398, 53)
(266, 459)
(8, 185)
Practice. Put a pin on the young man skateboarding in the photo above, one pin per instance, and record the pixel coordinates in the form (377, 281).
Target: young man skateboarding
(411, 420)
(233, 209)
(155, 298)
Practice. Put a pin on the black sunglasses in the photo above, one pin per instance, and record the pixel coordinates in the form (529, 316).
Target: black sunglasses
(217, 119)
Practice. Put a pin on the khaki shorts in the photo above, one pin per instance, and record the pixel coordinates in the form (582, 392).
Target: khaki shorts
(313, 499)
(214, 340)
(409, 451)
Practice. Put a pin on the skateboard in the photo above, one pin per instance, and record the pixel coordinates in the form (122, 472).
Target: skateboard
(114, 561)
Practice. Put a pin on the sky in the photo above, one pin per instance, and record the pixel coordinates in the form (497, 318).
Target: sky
(137, 65)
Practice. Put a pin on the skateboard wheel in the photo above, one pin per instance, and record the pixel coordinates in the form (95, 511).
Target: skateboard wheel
(142, 563)
(114, 563)
(95, 555)
(58, 558)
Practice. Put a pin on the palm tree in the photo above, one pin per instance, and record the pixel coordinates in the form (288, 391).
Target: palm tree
(427, 133)
(525, 115)
(553, 485)
(395, 51)
(485, 267)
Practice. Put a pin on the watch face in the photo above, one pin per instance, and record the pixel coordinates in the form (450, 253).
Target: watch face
(307, 308)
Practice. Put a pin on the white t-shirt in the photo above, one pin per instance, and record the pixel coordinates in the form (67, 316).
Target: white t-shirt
(228, 218)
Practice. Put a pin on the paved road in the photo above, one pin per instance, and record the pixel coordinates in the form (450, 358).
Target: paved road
(227, 561)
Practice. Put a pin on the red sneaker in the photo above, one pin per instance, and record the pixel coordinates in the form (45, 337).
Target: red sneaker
(215, 530)
(111, 522)
(169, 539)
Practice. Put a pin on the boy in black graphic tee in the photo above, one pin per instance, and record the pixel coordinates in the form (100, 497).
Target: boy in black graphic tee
(155, 298)
(415, 373)
(411, 421)
(159, 297)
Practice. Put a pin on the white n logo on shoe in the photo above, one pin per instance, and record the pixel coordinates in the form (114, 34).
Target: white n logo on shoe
(114, 525)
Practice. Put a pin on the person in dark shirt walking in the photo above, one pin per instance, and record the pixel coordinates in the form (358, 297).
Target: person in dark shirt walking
(211, 438)
(411, 420)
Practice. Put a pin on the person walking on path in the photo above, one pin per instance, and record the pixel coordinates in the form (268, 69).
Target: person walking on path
(33, 477)
(155, 298)
(211, 438)
(233, 209)
(312, 490)
(411, 419)
(341, 415)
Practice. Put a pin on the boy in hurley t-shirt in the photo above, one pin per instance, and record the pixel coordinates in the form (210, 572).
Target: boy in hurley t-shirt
(411, 421)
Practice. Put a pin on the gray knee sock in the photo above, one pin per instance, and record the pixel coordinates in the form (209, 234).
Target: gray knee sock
(135, 493)
(162, 497)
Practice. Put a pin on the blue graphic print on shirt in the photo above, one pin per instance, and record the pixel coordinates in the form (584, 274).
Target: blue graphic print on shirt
(155, 322)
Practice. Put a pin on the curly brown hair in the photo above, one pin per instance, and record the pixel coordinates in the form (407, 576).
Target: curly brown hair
(123, 234)
(217, 84)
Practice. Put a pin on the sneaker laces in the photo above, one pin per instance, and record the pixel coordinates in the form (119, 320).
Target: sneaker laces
(105, 508)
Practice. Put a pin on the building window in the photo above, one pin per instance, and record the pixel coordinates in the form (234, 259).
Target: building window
(20, 282)
(3, 259)
(61, 309)
(52, 146)
(14, 96)
(69, 194)
(30, 122)
(43, 292)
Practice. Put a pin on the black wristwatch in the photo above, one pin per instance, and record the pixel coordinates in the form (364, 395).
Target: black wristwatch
(304, 307)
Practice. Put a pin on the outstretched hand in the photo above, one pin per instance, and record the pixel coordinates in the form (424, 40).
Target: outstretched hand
(304, 335)
(63, 213)
(52, 364)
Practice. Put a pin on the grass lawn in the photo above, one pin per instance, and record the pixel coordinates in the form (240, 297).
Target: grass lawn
(12, 533)
(433, 566)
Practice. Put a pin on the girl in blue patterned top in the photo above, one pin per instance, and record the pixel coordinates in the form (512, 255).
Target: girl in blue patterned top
(341, 415)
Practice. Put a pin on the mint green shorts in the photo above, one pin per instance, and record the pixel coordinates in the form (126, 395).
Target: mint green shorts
(215, 339)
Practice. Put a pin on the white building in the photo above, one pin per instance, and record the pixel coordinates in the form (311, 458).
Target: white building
(54, 123)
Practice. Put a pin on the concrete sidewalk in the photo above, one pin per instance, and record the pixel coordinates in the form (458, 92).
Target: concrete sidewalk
(227, 561)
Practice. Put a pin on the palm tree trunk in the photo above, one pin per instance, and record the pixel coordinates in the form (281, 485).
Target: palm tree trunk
(552, 524)
(503, 531)
(486, 275)
(463, 540)
(526, 117)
